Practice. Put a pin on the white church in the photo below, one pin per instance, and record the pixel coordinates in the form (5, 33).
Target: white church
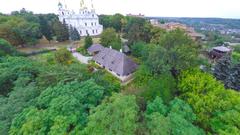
(86, 21)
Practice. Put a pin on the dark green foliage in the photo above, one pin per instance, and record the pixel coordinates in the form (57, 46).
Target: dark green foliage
(6, 48)
(175, 119)
(109, 38)
(46, 24)
(59, 109)
(109, 82)
(63, 56)
(73, 33)
(201, 91)
(176, 52)
(115, 21)
(222, 69)
(61, 31)
(19, 31)
(137, 49)
(88, 41)
(163, 86)
(233, 80)
(116, 115)
(138, 29)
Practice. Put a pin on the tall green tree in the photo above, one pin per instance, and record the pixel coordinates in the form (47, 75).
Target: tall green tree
(61, 31)
(6, 48)
(175, 119)
(222, 69)
(116, 115)
(73, 33)
(109, 38)
(59, 109)
(175, 52)
(210, 100)
(88, 41)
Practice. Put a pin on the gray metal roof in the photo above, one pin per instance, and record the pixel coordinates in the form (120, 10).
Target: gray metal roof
(95, 48)
(222, 49)
(116, 61)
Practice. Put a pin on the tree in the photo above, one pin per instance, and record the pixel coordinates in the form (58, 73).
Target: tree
(61, 31)
(59, 109)
(163, 86)
(6, 48)
(63, 56)
(46, 26)
(109, 38)
(175, 52)
(116, 115)
(88, 41)
(175, 119)
(73, 33)
(201, 91)
(19, 31)
(222, 69)
(233, 80)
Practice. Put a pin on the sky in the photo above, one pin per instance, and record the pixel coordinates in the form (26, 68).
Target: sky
(160, 8)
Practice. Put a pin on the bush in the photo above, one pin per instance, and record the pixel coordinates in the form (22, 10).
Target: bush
(6, 48)
(63, 56)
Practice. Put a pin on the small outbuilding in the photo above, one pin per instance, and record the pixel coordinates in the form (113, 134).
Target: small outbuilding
(219, 51)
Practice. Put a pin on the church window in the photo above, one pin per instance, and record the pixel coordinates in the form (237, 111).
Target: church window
(86, 31)
(63, 13)
(80, 32)
(92, 15)
(92, 24)
(95, 23)
(96, 31)
(93, 31)
(85, 24)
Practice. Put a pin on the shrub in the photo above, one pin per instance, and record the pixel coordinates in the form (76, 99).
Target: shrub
(63, 56)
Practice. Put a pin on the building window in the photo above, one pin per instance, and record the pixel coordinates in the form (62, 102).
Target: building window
(86, 31)
(80, 32)
(93, 31)
(85, 24)
(92, 15)
(96, 31)
(92, 24)
(95, 23)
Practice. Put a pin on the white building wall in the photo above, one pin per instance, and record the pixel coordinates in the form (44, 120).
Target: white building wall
(86, 22)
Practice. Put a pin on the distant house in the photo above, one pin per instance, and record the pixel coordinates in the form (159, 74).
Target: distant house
(117, 63)
(219, 51)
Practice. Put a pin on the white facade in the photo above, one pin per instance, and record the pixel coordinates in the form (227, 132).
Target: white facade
(86, 21)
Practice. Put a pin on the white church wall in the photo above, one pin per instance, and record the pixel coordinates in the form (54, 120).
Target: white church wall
(86, 21)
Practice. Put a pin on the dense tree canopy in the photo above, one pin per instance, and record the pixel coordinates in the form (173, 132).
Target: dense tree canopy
(210, 100)
(175, 119)
(109, 38)
(116, 115)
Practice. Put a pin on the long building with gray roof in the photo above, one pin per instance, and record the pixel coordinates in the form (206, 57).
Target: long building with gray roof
(114, 61)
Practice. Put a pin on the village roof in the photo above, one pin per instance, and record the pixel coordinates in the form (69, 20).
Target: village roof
(95, 48)
(222, 49)
(115, 61)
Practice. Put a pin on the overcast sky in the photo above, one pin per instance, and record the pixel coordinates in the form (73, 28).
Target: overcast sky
(163, 8)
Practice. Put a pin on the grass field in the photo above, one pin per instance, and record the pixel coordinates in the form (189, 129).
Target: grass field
(44, 44)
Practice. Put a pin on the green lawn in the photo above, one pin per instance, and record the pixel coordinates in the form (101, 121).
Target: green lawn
(44, 44)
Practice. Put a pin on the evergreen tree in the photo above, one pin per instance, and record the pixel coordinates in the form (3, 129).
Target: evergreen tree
(73, 33)
(88, 42)
(233, 81)
(222, 69)
(61, 31)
